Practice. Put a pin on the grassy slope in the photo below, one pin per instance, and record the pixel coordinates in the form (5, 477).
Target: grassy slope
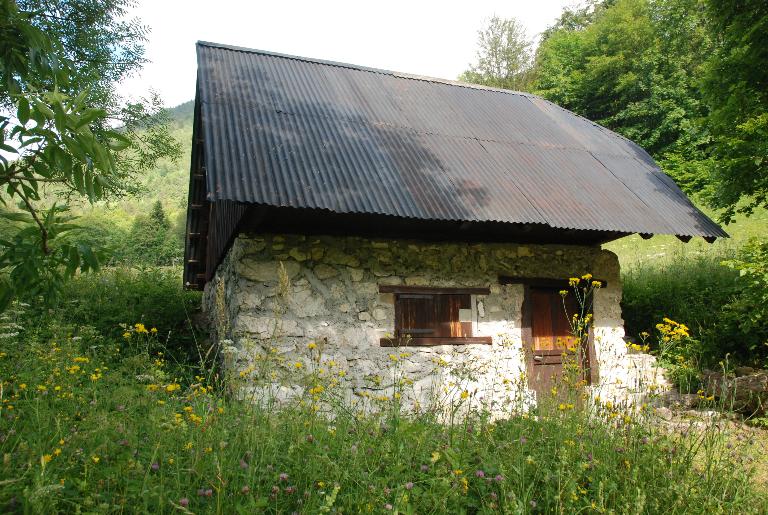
(634, 251)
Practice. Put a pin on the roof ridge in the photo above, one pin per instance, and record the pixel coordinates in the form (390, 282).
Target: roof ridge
(401, 75)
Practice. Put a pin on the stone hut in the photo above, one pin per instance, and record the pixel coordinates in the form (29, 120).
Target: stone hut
(390, 217)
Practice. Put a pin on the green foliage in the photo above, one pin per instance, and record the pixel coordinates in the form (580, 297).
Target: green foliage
(152, 241)
(735, 86)
(118, 296)
(59, 62)
(724, 310)
(38, 268)
(748, 311)
(685, 79)
(118, 429)
(631, 65)
(503, 56)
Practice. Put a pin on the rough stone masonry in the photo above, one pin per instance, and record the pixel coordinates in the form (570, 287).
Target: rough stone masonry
(282, 292)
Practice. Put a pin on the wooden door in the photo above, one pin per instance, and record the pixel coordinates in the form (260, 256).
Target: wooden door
(550, 339)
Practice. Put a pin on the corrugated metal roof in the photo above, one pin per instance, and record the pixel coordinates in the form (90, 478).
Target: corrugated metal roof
(290, 131)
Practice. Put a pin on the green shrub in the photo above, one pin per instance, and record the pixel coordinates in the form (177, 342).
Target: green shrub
(119, 296)
(747, 312)
(687, 288)
(722, 297)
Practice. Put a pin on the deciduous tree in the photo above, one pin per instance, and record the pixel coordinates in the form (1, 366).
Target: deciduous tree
(65, 131)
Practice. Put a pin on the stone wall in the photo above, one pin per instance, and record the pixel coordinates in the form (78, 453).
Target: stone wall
(279, 293)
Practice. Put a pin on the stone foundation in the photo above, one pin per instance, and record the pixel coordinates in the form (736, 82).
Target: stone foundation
(275, 294)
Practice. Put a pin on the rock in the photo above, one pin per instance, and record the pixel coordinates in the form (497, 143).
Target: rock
(379, 314)
(524, 252)
(416, 280)
(307, 304)
(261, 271)
(317, 253)
(356, 274)
(747, 394)
(267, 327)
(681, 401)
(344, 308)
(744, 371)
(254, 246)
(335, 256)
(364, 316)
(480, 309)
(316, 283)
(297, 254)
(391, 280)
(325, 272)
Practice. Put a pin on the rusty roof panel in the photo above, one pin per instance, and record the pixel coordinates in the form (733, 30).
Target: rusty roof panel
(293, 132)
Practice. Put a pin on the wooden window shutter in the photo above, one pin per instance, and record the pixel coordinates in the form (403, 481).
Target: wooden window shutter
(432, 316)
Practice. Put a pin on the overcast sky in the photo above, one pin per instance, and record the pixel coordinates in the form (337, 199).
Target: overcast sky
(434, 38)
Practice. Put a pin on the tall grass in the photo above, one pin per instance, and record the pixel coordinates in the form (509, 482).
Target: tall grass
(90, 422)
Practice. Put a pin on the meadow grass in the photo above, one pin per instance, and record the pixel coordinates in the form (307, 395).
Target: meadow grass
(102, 425)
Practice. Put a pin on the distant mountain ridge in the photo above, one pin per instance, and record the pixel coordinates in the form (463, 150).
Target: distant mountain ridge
(183, 114)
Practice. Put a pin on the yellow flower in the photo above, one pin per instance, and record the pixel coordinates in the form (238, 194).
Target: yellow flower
(596, 284)
(153, 330)
(435, 456)
(457, 472)
(126, 335)
(312, 345)
(152, 387)
(140, 328)
(57, 452)
(95, 459)
(586, 277)
(80, 359)
(172, 387)
(188, 446)
(188, 409)
(573, 281)
(298, 365)
(47, 458)
(464, 394)
(23, 386)
(563, 292)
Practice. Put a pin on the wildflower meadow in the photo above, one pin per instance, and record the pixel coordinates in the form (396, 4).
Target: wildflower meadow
(124, 422)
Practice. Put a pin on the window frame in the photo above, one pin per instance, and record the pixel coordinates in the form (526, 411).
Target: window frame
(429, 341)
